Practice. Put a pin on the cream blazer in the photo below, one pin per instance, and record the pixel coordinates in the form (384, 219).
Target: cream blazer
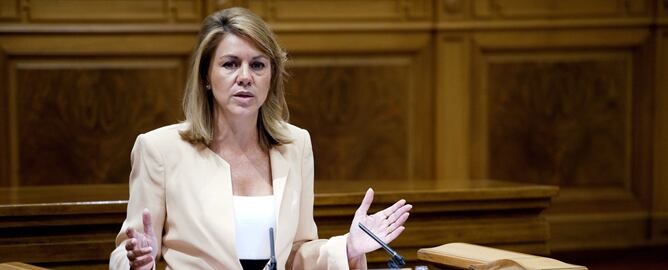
(188, 190)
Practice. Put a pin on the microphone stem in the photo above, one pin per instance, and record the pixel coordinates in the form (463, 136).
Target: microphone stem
(380, 242)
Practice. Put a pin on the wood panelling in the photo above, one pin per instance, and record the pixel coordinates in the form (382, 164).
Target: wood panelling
(187, 10)
(73, 45)
(489, 10)
(560, 119)
(9, 10)
(561, 107)
(598, 231)
(385, 100)
(349, 10)
(543, 14)
(328, 10)
(660, 170)
(400, 87)
(558, 8)
(369, 96)
(78, 118)
(113, 10)
(337, 86)
(4, 123)
(73, 10)
(362, 42)
(545, 50)
(453, 109)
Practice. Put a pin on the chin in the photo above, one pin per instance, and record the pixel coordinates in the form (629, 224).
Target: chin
(244, 111)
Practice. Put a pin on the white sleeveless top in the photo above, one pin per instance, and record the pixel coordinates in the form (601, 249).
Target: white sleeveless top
(253, 216)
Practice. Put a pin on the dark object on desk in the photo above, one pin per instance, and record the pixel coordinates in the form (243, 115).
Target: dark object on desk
(396, 261)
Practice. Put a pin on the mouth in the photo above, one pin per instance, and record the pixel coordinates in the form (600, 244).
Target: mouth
(243, 94)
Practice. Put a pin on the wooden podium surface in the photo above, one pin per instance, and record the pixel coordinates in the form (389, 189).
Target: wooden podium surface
(465, 256)
(45, 225)
(19, 266)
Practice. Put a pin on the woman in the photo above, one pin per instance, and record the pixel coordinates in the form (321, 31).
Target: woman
(204, 193)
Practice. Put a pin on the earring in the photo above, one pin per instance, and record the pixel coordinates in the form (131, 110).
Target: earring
(208, 86)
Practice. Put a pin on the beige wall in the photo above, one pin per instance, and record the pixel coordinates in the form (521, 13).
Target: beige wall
(560, 92)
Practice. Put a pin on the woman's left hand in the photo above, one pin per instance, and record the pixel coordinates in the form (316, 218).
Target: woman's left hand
(387, 224)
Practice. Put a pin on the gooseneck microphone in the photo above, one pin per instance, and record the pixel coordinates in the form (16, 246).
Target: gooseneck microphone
(396, 261)
(272, 258)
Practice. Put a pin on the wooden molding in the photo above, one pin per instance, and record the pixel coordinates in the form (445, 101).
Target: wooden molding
(540, 24)
(593, 231)
(452, 111)
(4, 122)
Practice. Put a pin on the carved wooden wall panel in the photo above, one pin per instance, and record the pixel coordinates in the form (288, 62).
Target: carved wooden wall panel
(560, 121)
(357, 113)
(369, 114)
(559, 8)
(660, 170)
(101, 10)
(72, 10)
(548, 13)
(9, 10)
(348, 10)
(538, 99)
(566, 108)
(75, 121)
(4, 123)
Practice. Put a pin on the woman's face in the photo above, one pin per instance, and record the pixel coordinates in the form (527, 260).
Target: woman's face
(240, 76)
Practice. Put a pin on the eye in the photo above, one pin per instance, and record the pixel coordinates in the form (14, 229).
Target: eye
(257, 65)
(230, 65)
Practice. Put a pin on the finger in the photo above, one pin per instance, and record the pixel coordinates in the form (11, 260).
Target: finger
(131, 255)
(141, 251)
(388, 211)
(366, 202)
(394, 216)
(130, 232)
(390, 237)
(146, 219)
(130, 244)
(142, 260)
(398, 223)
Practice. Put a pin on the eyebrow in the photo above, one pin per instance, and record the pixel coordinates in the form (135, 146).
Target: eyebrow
(236, 57)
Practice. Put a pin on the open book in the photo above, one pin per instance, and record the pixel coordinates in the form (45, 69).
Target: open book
(469, 256)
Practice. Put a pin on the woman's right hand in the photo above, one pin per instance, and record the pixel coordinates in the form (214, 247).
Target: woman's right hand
(142, 247)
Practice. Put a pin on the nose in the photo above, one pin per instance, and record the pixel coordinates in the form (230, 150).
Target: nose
(244, 78)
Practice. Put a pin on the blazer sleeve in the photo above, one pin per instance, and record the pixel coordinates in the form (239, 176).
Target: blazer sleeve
(147, 190)
(309, 252)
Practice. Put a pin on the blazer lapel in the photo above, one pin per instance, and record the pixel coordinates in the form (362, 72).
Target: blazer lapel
(220, 186)
(279, 172)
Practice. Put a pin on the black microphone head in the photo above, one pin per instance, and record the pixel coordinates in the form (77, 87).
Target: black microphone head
(396, 262)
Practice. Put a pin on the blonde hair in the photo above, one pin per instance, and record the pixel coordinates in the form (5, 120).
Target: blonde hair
(198, 101)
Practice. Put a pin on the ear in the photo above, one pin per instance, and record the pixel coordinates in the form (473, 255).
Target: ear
(206, 82)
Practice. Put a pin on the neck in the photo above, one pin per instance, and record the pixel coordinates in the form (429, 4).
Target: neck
(236, 132)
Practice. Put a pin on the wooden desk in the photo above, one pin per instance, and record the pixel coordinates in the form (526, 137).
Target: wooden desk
(45, 225)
